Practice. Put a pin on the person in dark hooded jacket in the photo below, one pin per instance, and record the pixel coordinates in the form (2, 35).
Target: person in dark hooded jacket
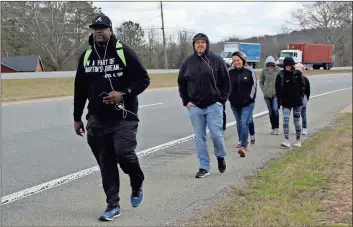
(290, 90)
(242, 97)
(111, 76)
(204, 89)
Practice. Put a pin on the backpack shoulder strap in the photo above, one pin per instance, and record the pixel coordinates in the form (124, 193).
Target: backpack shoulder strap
(87, 54)
(120, 51)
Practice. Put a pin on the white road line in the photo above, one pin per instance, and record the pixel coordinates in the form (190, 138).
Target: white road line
(65, 179)
(154, 104)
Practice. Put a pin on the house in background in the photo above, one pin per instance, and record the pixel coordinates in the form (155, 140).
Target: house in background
(12, 64)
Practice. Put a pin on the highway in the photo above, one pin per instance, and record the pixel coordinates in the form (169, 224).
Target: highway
(66, 74)
(39, 145)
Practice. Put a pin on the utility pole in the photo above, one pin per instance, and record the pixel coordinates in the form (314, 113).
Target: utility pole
(165, 48)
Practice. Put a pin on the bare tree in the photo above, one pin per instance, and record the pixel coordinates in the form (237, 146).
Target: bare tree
(185, 45)
(152, 43)
(333, 19)
(51, 26)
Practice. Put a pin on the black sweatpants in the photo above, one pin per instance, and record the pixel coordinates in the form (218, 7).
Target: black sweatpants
(113, 143)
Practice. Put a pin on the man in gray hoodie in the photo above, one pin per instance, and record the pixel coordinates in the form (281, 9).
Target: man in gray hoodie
(267, 83)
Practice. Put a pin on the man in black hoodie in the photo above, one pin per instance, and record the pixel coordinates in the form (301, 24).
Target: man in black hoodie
(110, 76)
(204, 88)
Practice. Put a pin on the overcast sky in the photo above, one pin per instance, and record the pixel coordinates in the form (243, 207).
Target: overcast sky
(218, 20)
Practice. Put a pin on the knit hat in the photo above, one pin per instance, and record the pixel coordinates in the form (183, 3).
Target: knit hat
(300, 67)
(288, 61)
(201, 36)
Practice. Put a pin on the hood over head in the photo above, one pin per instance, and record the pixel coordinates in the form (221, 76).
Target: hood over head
(300, 67)
(288, 61)
(270, 60)
(203, 37)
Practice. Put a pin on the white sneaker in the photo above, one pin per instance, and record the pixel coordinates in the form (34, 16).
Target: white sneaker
(305, 131)
(285, 144)
(276, 131)
(297, 143)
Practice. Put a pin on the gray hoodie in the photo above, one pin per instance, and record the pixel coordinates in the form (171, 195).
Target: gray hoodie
(268, 79)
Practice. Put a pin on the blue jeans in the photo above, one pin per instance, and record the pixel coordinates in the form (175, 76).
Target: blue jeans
(251, 126)
(272, 106)
(211, 116)
(304, 122)
(242, 116)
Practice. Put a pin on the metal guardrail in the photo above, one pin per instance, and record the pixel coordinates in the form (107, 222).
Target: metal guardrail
(70, 74)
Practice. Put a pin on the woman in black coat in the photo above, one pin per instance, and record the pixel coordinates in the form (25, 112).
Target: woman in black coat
(290, 88)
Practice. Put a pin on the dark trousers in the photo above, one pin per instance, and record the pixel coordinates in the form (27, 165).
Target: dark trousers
(272, 106)
(113, 143)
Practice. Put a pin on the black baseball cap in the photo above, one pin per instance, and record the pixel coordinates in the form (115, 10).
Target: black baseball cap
(101, 21)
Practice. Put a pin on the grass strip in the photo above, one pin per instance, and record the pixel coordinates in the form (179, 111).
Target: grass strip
(310, 186)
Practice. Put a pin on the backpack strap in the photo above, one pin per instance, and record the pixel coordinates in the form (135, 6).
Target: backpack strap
(120, 51)
(87, 54)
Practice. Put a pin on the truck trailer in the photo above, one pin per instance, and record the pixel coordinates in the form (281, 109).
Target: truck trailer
(251, 50)
(312, 56)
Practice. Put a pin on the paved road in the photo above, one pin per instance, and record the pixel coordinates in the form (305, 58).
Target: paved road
(38, 145)
(63, 74)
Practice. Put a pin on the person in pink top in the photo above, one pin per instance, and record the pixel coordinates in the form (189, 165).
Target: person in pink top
(301, 67)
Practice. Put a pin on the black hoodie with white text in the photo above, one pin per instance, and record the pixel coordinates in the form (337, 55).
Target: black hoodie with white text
(92, 80)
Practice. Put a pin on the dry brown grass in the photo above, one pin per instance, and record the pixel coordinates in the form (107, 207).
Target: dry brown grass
(311, 186)
(24, 89)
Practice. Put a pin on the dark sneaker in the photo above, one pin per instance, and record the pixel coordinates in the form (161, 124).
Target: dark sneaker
(136, 198)
(252, 139)
(221, 165)
(110, 213)
(202, 173)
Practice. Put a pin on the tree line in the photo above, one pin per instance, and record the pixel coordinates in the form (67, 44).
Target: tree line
(58, 32)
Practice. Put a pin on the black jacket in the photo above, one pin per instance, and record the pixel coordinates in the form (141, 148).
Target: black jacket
(243, 86)
(290, 88)
(91, 80)
(307, 87)
(203, 80)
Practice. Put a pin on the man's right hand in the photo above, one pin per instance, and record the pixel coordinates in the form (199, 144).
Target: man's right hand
(79, 128)
(190, 104)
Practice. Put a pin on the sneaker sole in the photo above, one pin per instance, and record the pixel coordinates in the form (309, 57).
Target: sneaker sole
(109, 219)
(205, 175)
(222, 170)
